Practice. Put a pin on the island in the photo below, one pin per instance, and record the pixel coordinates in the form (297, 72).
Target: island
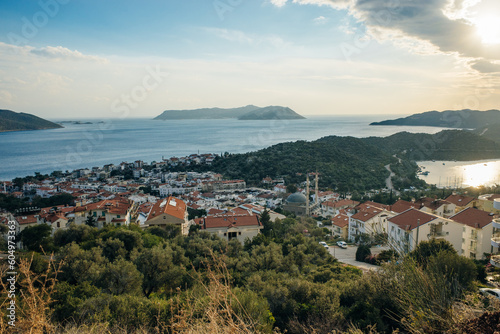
(462, 119)
(19, 121)
(249, 112)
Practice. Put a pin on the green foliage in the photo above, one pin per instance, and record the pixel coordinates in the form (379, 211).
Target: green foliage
(91, 221)
(387, 255)
(74, 233)
(81, 265)
(60, 199)
(291, 188)
(460, 272)
(363, 252)
(112, 248)
(426, 249)
(69, 299)
(193, 213)
(121, 277)
(35, 238)
(15, 121)
(130, 312)
(159, 269)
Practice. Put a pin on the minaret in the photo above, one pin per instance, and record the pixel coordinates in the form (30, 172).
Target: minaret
(307, 195)
(316, 197)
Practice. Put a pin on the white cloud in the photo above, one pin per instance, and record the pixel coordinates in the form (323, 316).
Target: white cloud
(244, 38)
(279, 3)
(320, 20)
(49, 52)
(231, 35)
(60, 52)
(422, 27)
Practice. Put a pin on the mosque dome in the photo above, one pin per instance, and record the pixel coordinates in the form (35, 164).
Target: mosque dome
(296, 198)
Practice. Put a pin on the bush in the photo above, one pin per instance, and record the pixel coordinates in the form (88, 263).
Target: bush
(362, 252)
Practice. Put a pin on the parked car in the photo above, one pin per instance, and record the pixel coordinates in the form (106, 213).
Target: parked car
(342, 244)
(322, 243)
(490, 292)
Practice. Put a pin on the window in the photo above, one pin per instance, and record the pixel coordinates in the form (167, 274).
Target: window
(231, 235)
(103, 213)
(58, 224)
(95, 214)
(117, 216)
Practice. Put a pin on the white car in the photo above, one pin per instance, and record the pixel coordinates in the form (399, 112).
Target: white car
(322, 243)
(342, 244)
(490, 292)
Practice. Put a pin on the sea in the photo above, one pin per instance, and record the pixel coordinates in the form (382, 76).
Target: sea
(106, 141)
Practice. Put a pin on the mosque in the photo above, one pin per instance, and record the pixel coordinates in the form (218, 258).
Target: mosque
(299, 204)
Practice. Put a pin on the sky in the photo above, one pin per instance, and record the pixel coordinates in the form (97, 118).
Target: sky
(108, 59)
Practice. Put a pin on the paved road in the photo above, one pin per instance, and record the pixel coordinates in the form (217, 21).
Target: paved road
(348, 256)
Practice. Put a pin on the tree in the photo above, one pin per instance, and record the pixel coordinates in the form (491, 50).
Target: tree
(265, 219)
(121, 277)
(113, 249)
(91, 221)
(426, 249)
(291, 188)
(362, 252)
(75, 233)
(158, 269)
(34, 238)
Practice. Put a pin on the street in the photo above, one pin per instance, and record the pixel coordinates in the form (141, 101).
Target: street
(348, 256)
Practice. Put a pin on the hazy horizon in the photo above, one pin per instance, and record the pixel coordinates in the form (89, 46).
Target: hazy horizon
(116, 59)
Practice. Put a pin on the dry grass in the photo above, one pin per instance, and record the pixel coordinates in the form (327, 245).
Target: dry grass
(217, 312)
(33, 298)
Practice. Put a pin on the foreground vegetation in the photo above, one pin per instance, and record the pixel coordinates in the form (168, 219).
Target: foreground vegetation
(156, 281)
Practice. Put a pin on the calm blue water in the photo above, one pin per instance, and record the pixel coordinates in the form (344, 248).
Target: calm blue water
(77, 146)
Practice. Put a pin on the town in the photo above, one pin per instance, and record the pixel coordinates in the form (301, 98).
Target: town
(151, 195)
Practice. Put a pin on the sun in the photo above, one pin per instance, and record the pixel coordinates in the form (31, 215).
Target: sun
(488, 29)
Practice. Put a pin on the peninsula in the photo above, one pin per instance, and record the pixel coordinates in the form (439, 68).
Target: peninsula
(461, 119)
(14, 121)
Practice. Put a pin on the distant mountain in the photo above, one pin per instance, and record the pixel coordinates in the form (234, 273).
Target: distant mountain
(460, 145)
(271, 112)
(14, 121)
(249, 112)
(464, 119)
(206, 113)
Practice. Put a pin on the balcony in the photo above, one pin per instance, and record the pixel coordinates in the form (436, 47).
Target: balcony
(495, 241)
(438, 235)
(495, 260)
(496, 223)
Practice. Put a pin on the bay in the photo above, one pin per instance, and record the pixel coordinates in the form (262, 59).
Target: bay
(75, 146)
(461, 174)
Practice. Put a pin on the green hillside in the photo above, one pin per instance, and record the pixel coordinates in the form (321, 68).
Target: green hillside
(463, 119)
(13, 121)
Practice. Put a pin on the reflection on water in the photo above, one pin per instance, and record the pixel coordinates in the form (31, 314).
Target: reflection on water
(457, 174)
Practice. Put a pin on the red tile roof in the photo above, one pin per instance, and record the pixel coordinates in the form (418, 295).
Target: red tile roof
(28, 219)
(459, 200)
(375, 204)
(431, 203)
(401, 206)
(118, 206)
(230, 221)
(411, 218)
(473, 217)
(171, 206)
(340, 220)
(367, 212)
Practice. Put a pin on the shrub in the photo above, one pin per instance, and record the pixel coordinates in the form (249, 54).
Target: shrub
(362, 252)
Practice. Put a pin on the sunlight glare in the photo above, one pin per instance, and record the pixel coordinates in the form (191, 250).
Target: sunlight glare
(479, 174)
(488, 29)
